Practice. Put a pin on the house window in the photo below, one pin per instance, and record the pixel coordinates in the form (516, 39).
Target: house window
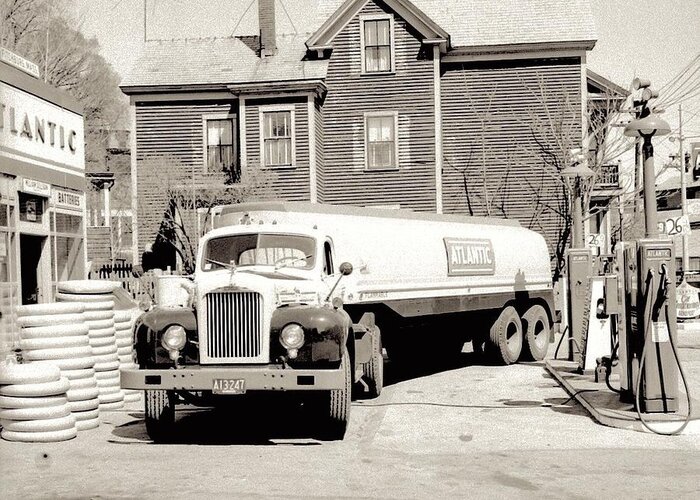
(380, 140)
(277, 137)
(221, 148)
(377, 45)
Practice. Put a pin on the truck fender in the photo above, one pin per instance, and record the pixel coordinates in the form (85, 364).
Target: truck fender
(365, 331)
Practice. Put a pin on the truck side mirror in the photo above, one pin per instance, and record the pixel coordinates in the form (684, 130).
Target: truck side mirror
(345, 269)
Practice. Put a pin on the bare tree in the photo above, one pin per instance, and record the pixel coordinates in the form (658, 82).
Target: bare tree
(555, 124)
(187, 198)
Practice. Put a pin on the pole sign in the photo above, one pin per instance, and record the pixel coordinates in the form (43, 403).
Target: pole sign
(687, 301)
(596, 240)
(675, 226)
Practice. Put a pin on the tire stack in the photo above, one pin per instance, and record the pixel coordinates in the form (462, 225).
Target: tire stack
(124, 324)
(57, 335)
(33, 404)
(96, 297)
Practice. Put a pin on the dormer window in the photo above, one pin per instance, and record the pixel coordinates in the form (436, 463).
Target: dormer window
(377, 44)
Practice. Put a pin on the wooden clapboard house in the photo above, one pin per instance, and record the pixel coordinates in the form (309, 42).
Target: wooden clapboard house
(446, 106)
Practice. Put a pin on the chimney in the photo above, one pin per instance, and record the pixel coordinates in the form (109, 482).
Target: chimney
(268, 36)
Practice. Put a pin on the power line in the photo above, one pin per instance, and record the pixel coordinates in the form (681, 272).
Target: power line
(673, 80)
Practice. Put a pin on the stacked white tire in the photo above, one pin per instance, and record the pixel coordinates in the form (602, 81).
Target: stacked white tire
(34, 404)
(97, 298)
(56, 334)
(124, 324)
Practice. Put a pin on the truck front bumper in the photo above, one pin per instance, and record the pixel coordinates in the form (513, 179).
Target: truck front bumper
(202, 378)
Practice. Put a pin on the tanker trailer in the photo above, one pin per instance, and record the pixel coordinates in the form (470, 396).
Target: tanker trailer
(432, 282)
(303, 297)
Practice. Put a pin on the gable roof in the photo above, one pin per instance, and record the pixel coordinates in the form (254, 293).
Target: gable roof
(324, 36)
(469, 25)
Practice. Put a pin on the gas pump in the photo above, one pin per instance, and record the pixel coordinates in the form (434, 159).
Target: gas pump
(579, 268)
(646, 326)
(652, 325)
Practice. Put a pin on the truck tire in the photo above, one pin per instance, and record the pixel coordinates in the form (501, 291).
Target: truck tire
(373, 371)
(337, 403)
(537, 328)
(505, 341)
(160, 414)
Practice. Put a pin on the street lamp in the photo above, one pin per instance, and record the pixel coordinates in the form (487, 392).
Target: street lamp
(646, 128)
(574, 175)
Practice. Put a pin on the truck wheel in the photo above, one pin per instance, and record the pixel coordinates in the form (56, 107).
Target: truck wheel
(537, 329)
(373, 370)
(337, 402)
(160, 414)
(506, 337)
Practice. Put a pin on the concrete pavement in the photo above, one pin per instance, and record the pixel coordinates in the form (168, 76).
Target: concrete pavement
(470, 430)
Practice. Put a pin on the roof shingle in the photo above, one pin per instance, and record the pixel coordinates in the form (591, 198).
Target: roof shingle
(470, 23)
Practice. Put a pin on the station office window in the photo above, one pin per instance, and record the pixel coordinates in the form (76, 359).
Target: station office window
(381, 144)
(221, 146)
(277, 136)
(377, 44)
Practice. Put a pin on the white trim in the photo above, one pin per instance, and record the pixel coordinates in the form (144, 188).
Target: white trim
(276, 95)
(272, 108)
(242, 132)
(392, 50)
(584, 101)
(437, 89)
(375, 114)
(216, 116)
(507, 56)
(192, 95)
(135, 257)
(313, 174)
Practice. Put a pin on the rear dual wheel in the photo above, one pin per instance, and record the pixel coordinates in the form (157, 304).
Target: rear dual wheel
(512, 337)
(505, 341)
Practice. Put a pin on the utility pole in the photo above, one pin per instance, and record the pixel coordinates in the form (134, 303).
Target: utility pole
(684, 198)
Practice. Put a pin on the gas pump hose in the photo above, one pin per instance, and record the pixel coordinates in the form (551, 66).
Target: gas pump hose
(648, 320)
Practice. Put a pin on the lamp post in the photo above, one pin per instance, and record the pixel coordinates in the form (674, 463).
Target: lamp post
(646, 128)
(574, 175)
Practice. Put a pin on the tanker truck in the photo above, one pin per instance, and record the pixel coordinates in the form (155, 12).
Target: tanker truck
(293, 296)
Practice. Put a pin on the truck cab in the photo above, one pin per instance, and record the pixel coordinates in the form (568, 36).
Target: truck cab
(265, 313)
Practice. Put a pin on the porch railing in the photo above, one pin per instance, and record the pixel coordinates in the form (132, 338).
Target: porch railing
(608, 177)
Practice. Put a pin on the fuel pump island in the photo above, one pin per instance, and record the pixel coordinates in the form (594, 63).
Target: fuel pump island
(638, 301)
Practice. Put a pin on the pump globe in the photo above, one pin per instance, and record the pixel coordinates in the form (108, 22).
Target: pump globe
(651, 125)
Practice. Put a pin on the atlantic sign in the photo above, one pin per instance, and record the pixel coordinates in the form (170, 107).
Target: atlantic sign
(37, 131)
(469, 257)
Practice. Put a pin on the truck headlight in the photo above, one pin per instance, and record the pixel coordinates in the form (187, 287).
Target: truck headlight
(292, 336)
(174, 338)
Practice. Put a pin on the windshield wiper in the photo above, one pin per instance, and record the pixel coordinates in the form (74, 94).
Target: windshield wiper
(292, 260)
(230, 266)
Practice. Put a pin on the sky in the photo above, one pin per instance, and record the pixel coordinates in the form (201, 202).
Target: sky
(654, 39)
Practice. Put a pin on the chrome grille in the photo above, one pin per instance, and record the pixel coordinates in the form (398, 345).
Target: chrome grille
(234, 324)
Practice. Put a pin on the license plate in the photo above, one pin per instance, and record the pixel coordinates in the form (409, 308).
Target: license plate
(228, 386)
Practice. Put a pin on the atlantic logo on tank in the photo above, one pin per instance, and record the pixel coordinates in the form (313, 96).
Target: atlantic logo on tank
(469, 257)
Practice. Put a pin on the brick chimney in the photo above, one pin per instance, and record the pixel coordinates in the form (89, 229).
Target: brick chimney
(268, 36)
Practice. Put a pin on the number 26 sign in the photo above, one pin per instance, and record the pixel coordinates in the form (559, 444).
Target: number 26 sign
(675, 226)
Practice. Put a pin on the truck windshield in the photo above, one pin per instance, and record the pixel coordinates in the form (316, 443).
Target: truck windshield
(282, 250)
